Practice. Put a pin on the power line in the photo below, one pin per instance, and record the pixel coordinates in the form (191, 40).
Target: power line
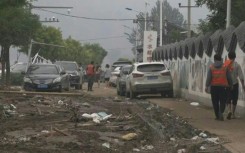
(83, 17)
(101, 38)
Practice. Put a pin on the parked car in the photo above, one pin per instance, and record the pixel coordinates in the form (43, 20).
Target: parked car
(18, 67)
(114, 75)
(121, 79)
(120, 64)
(76, 76)
(149, 78)
(46, 77)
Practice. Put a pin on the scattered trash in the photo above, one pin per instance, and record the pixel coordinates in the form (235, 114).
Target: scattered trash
(86, 104)
(97, 117)
(107, 145)
(116, 99)
(203, 135)
(24, 139)
(136, 150)
(213, 140)
(194, 104)
(181, 151)
(12, 106)
(45, 131)
(147, 147)
(129, 136)
(202, 148)
(60, 102)
(172, 139)
(195, 138)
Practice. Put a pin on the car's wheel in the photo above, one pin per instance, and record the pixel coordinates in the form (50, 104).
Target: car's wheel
(68, 87)
(132, 94)
(122, 93)
(170, 94)
(60, 88)
(77, 86)
(127, 94)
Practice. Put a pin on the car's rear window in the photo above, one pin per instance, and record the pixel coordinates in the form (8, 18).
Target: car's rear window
(43, 69)
(151, 68)
(68, 66)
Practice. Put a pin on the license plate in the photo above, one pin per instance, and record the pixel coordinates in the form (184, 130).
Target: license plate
(152, 77)
(42, 86)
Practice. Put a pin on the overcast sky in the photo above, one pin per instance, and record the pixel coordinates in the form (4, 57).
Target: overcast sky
(82, 29)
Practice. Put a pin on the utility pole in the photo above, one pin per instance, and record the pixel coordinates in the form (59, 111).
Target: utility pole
(189, 17)
(136, 40)
(161, 3)
(228, 15)
(146, 14)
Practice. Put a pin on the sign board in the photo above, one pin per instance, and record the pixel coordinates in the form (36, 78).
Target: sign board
(150, 43)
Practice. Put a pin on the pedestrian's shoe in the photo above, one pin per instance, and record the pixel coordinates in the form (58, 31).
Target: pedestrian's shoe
(229, 116)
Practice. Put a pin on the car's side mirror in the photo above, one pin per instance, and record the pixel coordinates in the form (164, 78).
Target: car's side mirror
(62, 72)
(23, 72)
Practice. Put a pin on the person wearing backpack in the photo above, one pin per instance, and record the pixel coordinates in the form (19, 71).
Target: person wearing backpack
(236, 72)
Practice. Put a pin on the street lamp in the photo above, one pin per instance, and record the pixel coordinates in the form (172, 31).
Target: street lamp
(130, 9)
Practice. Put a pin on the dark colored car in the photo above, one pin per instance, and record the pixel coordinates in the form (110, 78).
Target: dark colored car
(76, 77)
(121, 79)
(120, 64)
(46, 77)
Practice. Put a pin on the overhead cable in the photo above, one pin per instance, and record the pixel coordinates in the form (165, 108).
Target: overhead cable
(83, 17)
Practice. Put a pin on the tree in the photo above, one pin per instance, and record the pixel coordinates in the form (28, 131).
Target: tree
(217, 18)
(48, 35)
(18, 25)
(172, 15)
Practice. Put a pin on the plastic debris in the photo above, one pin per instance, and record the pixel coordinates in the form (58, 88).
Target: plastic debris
(172, 139)
(202, 148)
(106, 145)
(213, 140)
(147, 147)
(129, 136)
(203, 135)
(60, 102)
(194, 104)
(181, 151)
(12, 106)
(97, 117)
(45, 131)
(195, 138)
(136, 150)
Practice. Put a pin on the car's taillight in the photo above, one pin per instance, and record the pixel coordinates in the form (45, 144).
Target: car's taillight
(137, 75)
(165, 73)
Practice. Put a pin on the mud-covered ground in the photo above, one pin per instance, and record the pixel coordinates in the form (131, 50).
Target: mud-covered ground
(56, 124)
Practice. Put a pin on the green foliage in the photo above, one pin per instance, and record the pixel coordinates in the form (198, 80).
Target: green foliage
(217, 18)
(16, 79)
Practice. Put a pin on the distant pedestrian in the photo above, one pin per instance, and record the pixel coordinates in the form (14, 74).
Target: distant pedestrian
(98, 73)
(107, 75)
(236, 72)
(90, 71)
(219, 79)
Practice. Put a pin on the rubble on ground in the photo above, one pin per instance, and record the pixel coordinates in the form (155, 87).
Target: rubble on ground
(45, 123)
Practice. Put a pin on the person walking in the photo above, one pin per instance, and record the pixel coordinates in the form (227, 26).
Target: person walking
(219, 79)
(90, 71)
(98, 73)
(107, 75)
(236, 72)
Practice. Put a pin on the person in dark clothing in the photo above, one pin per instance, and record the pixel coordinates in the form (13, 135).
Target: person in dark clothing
(90, 71)
(219, 79)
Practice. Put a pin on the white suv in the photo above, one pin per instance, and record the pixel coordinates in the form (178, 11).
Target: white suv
(149, 78)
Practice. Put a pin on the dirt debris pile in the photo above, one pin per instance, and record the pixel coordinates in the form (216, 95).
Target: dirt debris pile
(91, 124)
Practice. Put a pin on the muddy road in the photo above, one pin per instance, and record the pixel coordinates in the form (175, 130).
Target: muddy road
(96, 122)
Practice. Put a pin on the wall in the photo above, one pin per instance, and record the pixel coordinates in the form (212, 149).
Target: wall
(190, 65)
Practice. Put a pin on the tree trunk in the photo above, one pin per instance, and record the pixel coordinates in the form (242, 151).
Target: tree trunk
(3, 66)
(7, 60)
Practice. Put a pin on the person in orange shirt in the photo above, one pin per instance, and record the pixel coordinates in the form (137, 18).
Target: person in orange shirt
(236, 72)
(90, 71)
(219, 79)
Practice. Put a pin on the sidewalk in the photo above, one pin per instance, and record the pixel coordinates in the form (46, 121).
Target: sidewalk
(202, 117)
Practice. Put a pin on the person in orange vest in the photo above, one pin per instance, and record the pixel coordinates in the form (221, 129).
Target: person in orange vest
(219, 80)
(236, 72)
(90, 71)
